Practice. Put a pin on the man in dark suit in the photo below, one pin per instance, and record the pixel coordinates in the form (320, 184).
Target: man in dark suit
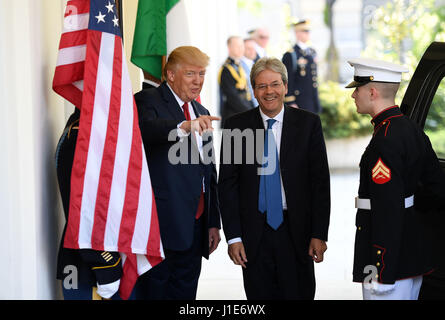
(301, 65)
(185, 191)
(276, 221)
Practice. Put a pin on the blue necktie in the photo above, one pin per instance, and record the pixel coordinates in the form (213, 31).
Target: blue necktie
(269, 198)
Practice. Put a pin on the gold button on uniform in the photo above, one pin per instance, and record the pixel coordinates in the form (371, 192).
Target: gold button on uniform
(379, 252)
(378, 264)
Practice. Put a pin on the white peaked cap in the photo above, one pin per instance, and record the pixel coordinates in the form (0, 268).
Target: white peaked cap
(367, 70)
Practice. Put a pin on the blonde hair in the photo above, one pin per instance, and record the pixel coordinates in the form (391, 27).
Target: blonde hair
(186, 54)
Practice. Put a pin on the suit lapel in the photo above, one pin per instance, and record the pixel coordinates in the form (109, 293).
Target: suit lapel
(172, 105)
(288, 134)
(257, 123)
(197, 109)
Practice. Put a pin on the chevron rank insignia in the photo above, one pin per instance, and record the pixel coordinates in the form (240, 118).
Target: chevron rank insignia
(381, 173)
(107, 256)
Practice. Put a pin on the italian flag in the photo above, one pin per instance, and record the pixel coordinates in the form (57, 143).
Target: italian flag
(161, 26)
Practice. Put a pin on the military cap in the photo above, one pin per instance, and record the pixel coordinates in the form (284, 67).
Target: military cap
(251, 32)
(367, 70)
(301, 25)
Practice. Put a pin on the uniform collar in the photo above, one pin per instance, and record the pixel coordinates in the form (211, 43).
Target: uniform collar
(385, 114)
(302, 45)
(230, 60)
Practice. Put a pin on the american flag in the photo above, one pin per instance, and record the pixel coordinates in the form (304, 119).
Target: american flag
(112, 206)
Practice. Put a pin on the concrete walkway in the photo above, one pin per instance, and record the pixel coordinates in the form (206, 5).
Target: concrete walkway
(222, 280)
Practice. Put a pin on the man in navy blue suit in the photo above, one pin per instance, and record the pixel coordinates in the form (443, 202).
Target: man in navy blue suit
(173, 124)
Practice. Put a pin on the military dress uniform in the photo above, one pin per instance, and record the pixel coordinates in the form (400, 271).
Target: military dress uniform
(392, 243)
(302, 78)
(81, 270)
(390, 231)
(235, 96)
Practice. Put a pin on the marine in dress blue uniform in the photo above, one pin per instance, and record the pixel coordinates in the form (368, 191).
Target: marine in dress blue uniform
(391, 246)
(301, 65)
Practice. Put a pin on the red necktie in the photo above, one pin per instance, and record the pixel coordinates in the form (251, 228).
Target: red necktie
(200, 210)
(186, 111)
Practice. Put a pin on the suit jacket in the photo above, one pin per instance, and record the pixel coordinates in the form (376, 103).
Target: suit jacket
(305, 174)
(177, 187)
(302, 85)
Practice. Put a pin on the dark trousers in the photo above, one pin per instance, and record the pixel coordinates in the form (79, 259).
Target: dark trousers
(175, 278)
(276, 273)
(83, 291)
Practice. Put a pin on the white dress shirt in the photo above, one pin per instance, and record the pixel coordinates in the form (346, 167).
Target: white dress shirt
(277, 129)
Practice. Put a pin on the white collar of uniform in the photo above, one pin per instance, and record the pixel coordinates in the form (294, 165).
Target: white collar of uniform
(279, 117)
(260, 50)
(302, 45)
(180, 102)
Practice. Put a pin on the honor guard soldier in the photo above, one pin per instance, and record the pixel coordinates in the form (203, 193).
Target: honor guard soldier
(235, 95)
(86, 274)
(301, 65)
(261, 37)
(391, 248)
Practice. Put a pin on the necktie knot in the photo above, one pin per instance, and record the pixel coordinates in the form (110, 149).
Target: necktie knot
(270, 123)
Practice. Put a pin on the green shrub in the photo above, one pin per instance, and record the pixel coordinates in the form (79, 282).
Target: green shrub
(437, 139)
(435, 122)
(339, 116)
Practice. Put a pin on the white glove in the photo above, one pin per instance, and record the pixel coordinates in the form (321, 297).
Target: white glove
(108, 290)
(379, 288)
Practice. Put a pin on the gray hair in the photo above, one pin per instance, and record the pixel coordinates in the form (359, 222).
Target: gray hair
(267, 63)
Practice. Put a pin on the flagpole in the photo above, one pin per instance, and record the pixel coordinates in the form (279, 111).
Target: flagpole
(150, 77)
(120, 17)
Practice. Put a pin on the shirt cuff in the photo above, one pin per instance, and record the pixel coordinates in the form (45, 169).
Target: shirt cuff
(234, 240)
(181, 133)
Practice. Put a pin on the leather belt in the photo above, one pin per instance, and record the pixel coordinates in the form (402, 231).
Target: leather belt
(365, 204)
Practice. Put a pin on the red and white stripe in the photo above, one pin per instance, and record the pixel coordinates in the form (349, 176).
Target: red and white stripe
(112, 205)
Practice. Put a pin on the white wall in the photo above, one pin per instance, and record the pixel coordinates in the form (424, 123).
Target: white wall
(31, 120)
